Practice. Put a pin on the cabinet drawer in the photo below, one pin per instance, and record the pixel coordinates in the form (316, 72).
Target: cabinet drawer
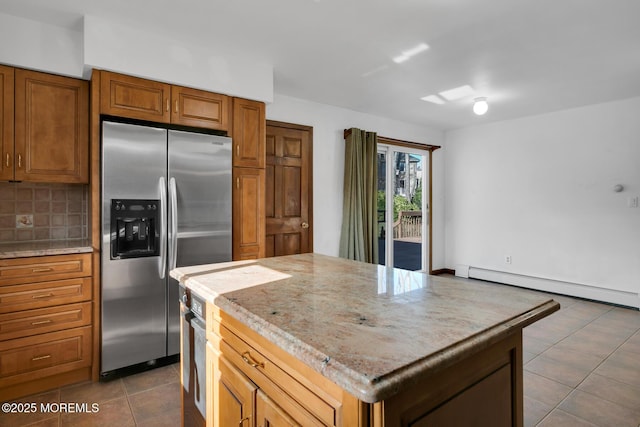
(265, 372)
(33, 322)
(36, 269)
(44, 294)
(34, 357)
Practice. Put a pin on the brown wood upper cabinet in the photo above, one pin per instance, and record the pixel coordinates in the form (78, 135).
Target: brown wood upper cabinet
(6, 122)
(249, 133)
(198, 108)
(51, 124)
(136, 98)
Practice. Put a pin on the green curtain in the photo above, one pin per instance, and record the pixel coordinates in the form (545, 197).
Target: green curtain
(359, 236)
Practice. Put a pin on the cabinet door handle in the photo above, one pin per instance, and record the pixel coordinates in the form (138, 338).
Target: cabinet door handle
(241, 423)
(176, 106)
(41, 322)
(305, 225)
(246, 356)
(33, 359)
(168, 105)
(8, 162)
(19, 160)
(41, 270)
(42, 296)
(238, 150)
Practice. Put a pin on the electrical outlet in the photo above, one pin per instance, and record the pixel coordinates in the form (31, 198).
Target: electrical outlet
(507, 259)
(632, 202)
(24, 221)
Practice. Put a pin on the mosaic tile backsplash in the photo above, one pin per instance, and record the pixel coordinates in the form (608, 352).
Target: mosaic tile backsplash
(37, 212)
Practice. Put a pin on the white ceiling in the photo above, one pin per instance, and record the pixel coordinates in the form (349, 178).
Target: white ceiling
(527, 56)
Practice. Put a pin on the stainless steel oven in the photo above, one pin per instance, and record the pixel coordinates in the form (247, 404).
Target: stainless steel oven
(193, 358)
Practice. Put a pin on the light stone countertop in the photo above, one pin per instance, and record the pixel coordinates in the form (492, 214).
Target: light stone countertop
(370, 329)
(46, 247)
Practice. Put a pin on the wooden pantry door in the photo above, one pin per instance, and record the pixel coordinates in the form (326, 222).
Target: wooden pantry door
(289, 204)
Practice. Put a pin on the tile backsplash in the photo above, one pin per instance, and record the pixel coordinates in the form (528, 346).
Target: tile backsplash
(37, 212)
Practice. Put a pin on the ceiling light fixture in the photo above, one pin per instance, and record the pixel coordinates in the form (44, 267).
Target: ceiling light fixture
(480, 106)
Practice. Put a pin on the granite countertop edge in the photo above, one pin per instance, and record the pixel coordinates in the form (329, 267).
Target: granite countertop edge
(34, 249)
(371, 390)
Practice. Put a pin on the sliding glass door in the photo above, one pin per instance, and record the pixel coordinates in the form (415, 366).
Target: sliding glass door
(403, 183)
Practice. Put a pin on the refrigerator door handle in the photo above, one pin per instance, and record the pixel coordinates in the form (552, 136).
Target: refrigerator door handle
(173, 201)
(162, 263)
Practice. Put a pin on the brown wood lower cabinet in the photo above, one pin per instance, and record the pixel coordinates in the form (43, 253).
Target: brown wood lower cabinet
(239, 401)
(270, 414)
(482, 389)
(45, 323)
(488, 400)
(235, 396)
(36, 357)
(253, 383)
(34, 322)
(44, 294)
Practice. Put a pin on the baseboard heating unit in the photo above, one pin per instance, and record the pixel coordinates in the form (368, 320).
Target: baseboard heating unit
(613, 296)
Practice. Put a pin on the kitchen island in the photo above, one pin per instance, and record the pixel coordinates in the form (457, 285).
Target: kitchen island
(316, 340)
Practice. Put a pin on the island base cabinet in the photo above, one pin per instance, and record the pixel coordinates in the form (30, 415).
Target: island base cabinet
(252, 383)
(270, 414)
(235, 396)
(484, 389)
(236, 401)
(487, 403)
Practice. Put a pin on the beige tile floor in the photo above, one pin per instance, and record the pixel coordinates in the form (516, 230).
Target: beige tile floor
(581, 368)
(149, 399)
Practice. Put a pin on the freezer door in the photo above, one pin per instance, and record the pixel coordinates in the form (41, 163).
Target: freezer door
(134, 165)
(200, 209)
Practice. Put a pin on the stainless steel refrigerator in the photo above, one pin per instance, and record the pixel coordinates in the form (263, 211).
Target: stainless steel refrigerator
(166, 202)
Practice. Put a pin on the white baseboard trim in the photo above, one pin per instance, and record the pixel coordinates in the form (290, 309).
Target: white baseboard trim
(462, 270)
(628, 299)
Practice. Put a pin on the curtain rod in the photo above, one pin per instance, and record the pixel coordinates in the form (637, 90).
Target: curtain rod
(399, 142)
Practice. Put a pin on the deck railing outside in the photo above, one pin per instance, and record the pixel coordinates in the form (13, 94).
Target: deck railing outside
(408, 225)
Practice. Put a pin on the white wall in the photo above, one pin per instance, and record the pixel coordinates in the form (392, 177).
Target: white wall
(109, 46)
(34, 45)
(328, 124)
(540, 189)
(115, 47)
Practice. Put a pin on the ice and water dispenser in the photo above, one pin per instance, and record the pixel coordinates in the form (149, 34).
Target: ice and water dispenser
(134, 228)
